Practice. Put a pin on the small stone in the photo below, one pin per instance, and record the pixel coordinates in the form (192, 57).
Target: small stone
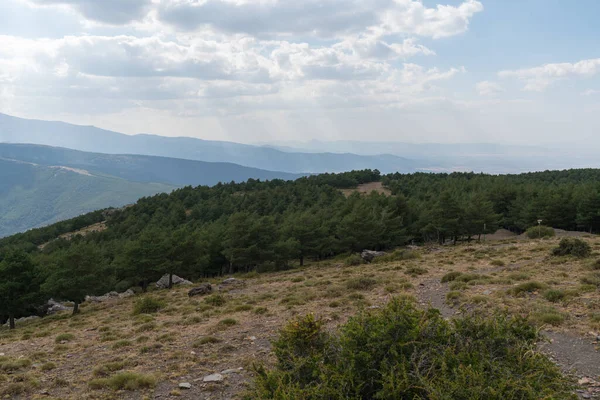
(251, 338)
(193, 353)
(584, 381)
(213, 378)
(487, 292)
(185, 385)
(1, 354)
(230, 371)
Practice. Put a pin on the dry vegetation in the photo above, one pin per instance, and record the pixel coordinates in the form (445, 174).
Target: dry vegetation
(131, 348)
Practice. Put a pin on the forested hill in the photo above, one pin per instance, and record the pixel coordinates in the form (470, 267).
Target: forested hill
(203, 231)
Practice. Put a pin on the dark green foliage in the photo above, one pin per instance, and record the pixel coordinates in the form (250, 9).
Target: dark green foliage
(451, 276)
(401, 353)
(19, 285)
(573, 247)
(353, 260)
(78, 271)
(147, 305)
(263, 226)
(527, 287)
(539, 232)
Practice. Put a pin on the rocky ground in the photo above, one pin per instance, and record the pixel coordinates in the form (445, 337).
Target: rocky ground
(204, 347)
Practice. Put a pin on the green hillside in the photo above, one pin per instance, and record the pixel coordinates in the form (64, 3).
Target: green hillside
(33, 196)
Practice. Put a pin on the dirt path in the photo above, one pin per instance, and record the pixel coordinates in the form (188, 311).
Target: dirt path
(572, 353)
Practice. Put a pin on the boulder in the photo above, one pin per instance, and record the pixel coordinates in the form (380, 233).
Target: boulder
(201, 290)
(232, 283)
(163, 283)
(52, 307)
(110, 296)
(213, 378)
(369, 255)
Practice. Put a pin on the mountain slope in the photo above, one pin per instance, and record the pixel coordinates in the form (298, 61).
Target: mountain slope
(139, 168)
(33, 195)
(88, 138)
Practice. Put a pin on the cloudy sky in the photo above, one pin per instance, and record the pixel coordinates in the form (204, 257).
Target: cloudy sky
(506, 71)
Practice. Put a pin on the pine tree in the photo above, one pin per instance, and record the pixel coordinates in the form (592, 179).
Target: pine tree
(18, 284)
(79, 271)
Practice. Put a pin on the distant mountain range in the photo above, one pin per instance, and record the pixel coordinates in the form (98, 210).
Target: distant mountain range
(88, 138)
(36, 195)
(40, 185)
(139, 168)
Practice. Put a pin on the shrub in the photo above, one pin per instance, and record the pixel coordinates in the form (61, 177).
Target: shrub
(401, 352)
(414, 271)
(121, 344)
(125, 381)
(353, 260)
(573, 247)
(554, 295)
(297, 279)
(362, 283)
(539, 232)
(527, 287)
(261, 310)
(205, 340)
(147, 305)
(595, 265)
(451, 276)
(216, 300)
(228, 322)
(64, 337)
(498, 263)
(397, 255)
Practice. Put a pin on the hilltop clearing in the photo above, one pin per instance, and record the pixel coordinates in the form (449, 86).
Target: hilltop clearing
(188, 339)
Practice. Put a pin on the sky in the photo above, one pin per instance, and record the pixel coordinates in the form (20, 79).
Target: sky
(261, 71)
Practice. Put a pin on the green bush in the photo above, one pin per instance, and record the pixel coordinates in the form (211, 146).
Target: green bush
(554, 295)
(401, 352)
(362, 283)
(573, 247)
(539, 232)
(124, 381)
(353, 260)
(397, 255)
(451, 276)
(147, 305)
(527, 287)
(216, 300)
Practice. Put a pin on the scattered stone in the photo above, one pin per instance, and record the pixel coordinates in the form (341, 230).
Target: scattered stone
(369, 255)
(185, 385)
(201, 290)
(193, 353)
(251, 338)
(163, 283)
(487, 292)
(213, 378)
(584, 381)
(126, 294)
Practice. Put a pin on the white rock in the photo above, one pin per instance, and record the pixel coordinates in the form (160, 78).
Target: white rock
(213, 378)
(185, 385)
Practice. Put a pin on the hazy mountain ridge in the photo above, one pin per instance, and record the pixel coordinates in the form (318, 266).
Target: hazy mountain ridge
(87, 138)
(140, 168)
(36, 195)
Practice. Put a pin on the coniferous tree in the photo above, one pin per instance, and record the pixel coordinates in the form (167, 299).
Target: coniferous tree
(18, 284)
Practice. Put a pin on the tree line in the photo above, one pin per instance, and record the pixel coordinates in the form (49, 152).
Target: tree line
(240, 227)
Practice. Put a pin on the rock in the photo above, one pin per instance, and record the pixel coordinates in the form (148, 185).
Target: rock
(52, 307)
(213, 378)
(487, 292)
(103, 298)
(163, 283)
(231, 283)
(201, 290)
(584, 381)
(126, 294)
(369, 255)
(185, 385)
(231, 371)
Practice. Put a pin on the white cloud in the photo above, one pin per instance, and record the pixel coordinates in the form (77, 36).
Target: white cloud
(488, 88)
(590, 92)
(539, 78)
(113, 12)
